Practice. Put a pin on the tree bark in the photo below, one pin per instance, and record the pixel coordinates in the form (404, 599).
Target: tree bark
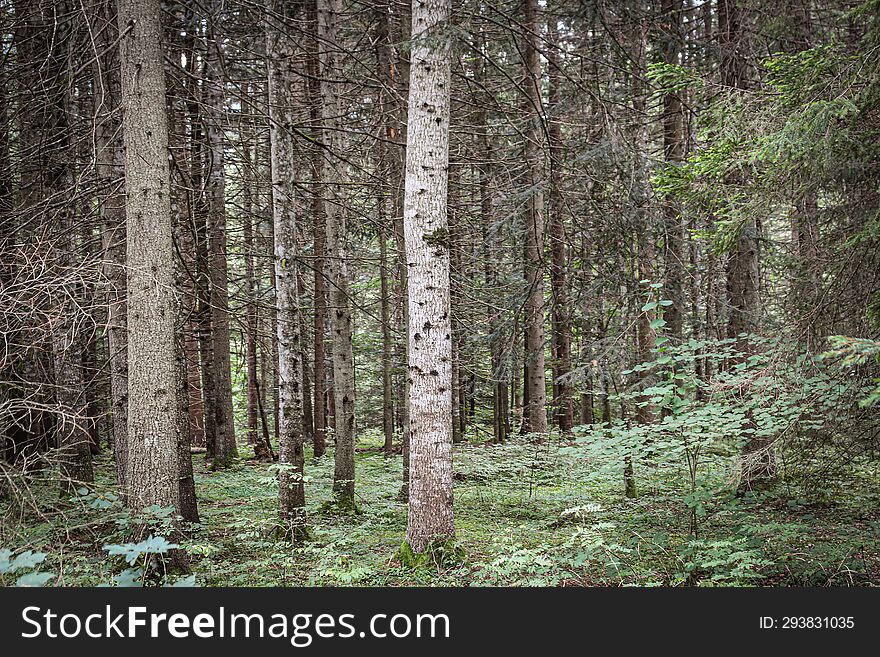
(743, 265)
(430, 516)
(337, 266)
(562, 400)
(153, 469)
(673, 151)
(319, 232)
(290, 370)
(110, 169)
(535, 411)
(225, 447)
(250, 284)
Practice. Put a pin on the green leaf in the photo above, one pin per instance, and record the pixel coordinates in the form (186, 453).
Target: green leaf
(34, 579)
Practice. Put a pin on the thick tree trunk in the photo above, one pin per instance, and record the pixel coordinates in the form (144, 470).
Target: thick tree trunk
(427, 249)
(153, 470)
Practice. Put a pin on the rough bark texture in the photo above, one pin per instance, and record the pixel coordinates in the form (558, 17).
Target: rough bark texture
(337, 271)
(561, 320)
(225, 447)
(673, 150)
(184, 299)
(427, 249)
(535, 412)
(110, 171)
(153, 471)
(647, 338)
(385, 73)
(290, 367)
(251, 310)
(319, 233)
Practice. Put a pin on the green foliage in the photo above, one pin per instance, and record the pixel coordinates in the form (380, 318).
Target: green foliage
(441, 554)
(852, 352)
(25, 563)
(547, 514)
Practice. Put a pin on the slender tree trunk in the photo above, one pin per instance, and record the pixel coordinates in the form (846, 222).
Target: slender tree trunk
(59, 176)
(225, 447)
(385, 74)
(198, 209)
(401, 34)
(319, 232)
(455, 298)
(562, 400)
(673, 151)
(387, 389)
(109, 159)
(290, 372)
(646, 337)
(427, 249)
(535, 410)
(337, 268)
(743, 265)
(251, 310)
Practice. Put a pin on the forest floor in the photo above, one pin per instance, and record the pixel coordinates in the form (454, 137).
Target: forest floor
(526, 514)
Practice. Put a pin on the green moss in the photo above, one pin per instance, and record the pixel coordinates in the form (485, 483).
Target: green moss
(442, 554)
(341, 503)
(439, 237)
(631, 490)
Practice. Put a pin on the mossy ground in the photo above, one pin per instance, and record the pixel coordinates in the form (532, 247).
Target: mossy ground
(526, 514)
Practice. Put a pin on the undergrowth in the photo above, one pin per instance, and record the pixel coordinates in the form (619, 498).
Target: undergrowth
(527, 514)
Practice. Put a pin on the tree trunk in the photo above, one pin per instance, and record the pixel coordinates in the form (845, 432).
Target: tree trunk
(673, 151)
(109, 163)
(59, 176)
(427, 248)
(250, 284)
(385, 169)
(319, 231)
(743, 265)
(562, 400)
(337, 266)
(153, 470)
(290, 371)
(535, 410)
(225, 448)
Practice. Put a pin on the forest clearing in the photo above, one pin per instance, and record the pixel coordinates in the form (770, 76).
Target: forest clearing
(557, 293)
